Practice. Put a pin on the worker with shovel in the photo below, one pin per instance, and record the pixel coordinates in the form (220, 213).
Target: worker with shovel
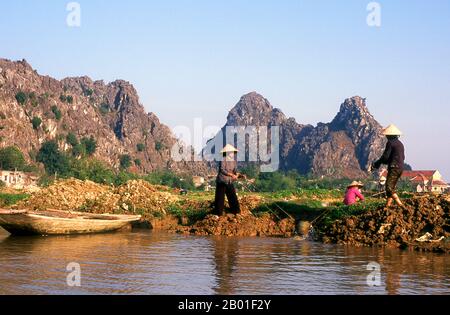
(225, 182)
(394, 157)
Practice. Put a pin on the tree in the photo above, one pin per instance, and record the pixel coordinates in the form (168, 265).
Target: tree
(125, 161)
(36, 121)
(72, 139)
(21, 98)
(140, 147)
(56, 112)
(159, 146)
(11, 158)
(54, 161)
(137, 162)
(90, 145)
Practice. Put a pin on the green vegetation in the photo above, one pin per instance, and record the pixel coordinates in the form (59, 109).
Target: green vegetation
(159, 146)
(104, 109)
(11, 199)
(36, 121)
(168, 178)
(21, 98)
(55, 162)
(71, 139)
(56, 112)
(89, 144)
(137, 162)
(180, 211)
(125, 161)
(88, 92)
(140, 147)
(66, 98)
(11, 158)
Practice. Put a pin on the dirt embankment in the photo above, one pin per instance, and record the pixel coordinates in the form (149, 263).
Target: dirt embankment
(241, 225)
(135, 196)
(422, 224)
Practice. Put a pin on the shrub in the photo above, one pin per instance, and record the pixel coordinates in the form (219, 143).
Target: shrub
(137, 162)
(63, 98)
(11, 158)
(69, 99)
(90, 145)
(72, 139)
(56, 112)
(168, 178)
(125, 161)
(88, 92)
(54, 161)
(140, 147)
(78, 150)
(21, 98)
(36, 121)
(104, 109)
(159, 146)
(276, 181)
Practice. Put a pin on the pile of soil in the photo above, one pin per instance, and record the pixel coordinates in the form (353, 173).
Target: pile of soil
(135, 196)
(397, 227)
(241, 225)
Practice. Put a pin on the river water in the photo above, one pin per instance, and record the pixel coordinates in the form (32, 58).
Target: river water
(145, 262)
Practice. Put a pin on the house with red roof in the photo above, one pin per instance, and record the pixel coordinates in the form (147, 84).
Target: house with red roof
(423, 180)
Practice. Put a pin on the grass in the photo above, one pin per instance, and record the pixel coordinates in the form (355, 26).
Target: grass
(11, 199)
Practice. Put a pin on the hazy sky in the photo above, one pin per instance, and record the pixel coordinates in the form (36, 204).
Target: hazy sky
(195, 58)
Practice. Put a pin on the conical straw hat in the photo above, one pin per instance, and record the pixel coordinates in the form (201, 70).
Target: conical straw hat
(229, 148)
(355, 184)
(392, 130)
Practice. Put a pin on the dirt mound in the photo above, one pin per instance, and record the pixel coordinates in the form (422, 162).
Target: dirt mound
(241, 225)
(135, 196)
(397, 227)
(139, 196)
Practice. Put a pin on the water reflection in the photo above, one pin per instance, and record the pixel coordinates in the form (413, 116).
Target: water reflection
(154, 263)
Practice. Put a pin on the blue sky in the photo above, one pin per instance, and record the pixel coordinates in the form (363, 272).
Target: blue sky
(195, 58)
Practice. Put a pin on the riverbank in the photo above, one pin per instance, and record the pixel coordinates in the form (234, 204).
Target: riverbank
(263, 214)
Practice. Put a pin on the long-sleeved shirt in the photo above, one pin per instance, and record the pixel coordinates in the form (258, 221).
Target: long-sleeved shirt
(226, 169)
(393, 156)
(351, 196)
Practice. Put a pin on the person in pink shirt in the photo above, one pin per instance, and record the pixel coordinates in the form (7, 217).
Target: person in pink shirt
(353, 193)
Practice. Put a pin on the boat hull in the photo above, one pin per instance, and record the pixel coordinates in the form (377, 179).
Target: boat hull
(28, 223)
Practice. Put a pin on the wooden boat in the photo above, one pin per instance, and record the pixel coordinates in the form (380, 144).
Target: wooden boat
(57, 222)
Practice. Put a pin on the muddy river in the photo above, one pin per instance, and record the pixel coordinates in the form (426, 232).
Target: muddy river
(145, 262)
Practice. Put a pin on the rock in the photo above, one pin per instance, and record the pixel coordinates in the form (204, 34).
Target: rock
(111, 113)
(343, 148)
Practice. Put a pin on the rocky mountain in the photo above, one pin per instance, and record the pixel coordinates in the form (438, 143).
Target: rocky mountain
(342, 148)
(35, 108)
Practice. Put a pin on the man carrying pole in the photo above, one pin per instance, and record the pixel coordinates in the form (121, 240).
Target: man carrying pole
(394, 158)
(225, 182)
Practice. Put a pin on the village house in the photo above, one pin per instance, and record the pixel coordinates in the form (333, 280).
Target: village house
(423, 181)
(18, 180)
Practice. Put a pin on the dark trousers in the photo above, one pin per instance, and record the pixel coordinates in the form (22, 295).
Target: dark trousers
(392, 179)
(223, 189)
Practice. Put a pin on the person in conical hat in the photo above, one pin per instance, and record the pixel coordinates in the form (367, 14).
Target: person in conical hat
(394, 158)
(225, 182)
(353, 193)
